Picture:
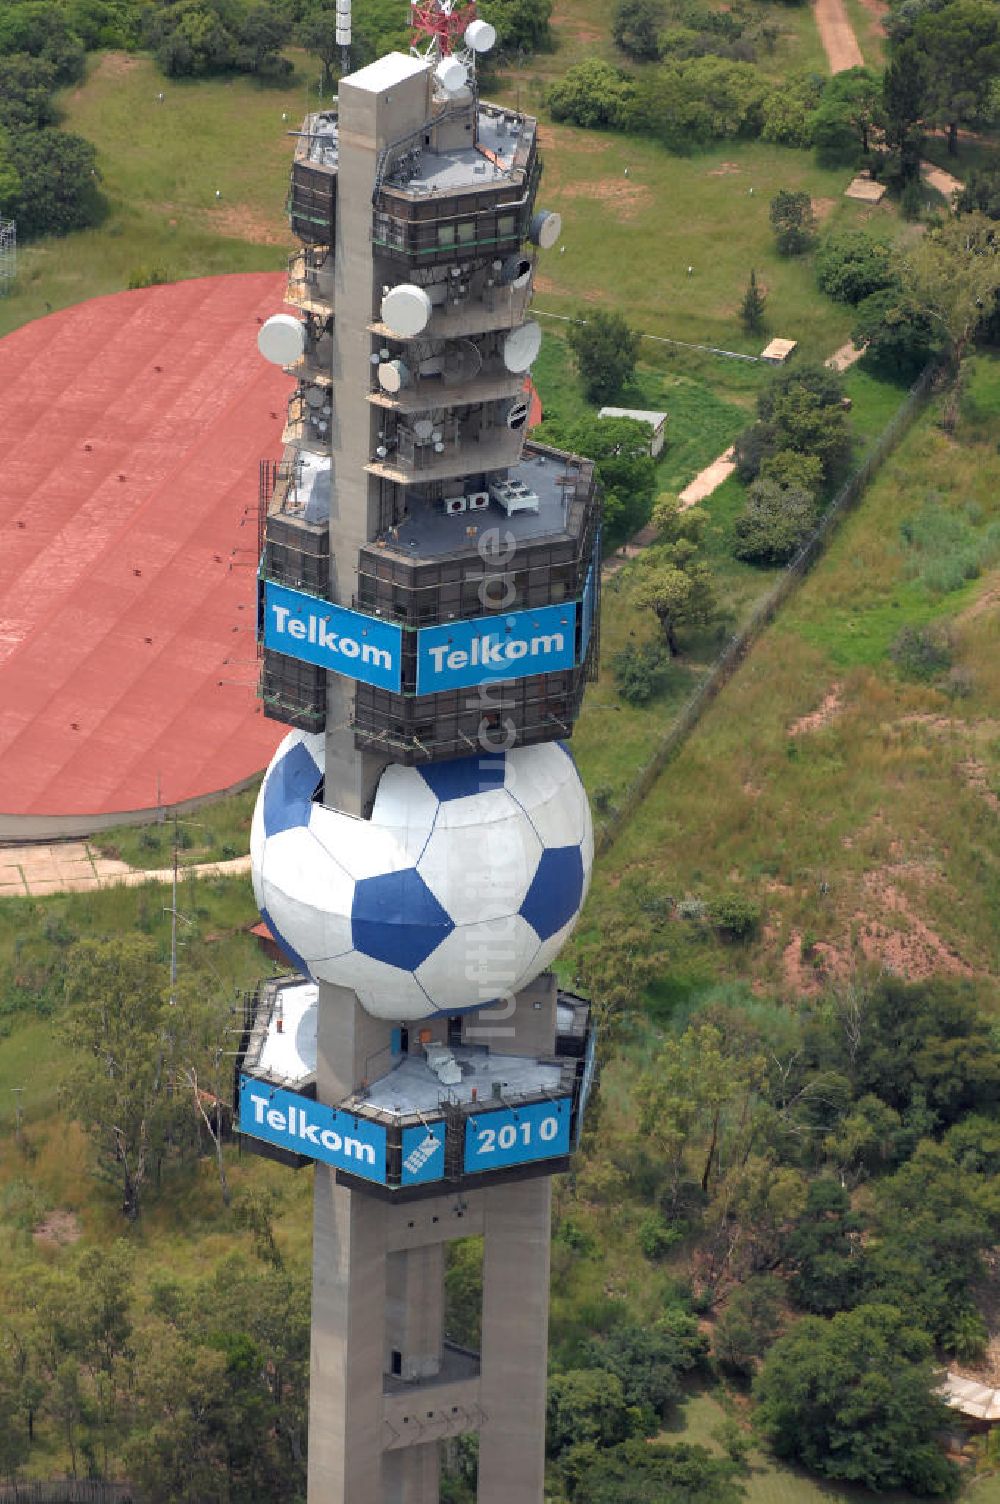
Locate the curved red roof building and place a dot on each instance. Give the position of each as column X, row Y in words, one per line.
column 131, row 428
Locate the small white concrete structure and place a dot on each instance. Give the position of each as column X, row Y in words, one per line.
column 979, row 1401
column 656, row 421
column 778, row 351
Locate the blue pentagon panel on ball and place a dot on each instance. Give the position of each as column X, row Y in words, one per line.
column 292, row 779
column 396, row 918
column 556, row 892
column 465, row 776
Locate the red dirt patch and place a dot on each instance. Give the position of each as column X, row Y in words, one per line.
column 823, row 208
column 976, row 776
column 58, row 1229
column 724, row 170
column 914, row 952
column 627, row 198
column 569, row 140
column 817, row 719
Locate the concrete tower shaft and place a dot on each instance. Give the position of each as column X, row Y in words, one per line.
column 421, row 847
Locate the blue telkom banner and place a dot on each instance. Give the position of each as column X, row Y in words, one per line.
column 293, row 1122
column 345, row 642
column 506, row 645
column 517, row 1135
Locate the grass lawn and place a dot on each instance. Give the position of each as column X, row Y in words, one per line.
column 869, row 828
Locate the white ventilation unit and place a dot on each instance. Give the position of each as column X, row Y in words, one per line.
column 478, row 501
column 454, row 504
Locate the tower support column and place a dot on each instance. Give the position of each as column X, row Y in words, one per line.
column 514, row 1342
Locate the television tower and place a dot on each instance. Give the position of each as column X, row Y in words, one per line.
column 421, row 847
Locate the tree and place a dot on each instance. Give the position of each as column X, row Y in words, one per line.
column 522, row 26
column 897, row 332
column 120, row 1026
column 592, row 93
column 904, row 87
column 752, row 307
column 624, row 466
column 786, row 117
column 848, row 113
column 636, row 27
column 42, row 30
column 678, row 589
column 981, row 192
column 954, row 273
column 801, row 411
column 775, row 522
column 793, row 222
column 697, row 1095
column 57, row 176
column 317, row 33
column 851, row 265
column 26, row 88
column 824, row 1252
column 853, row 1398
column 787, row 468
column 606, row 351
column 586, row 1404
column 649, row 1360
column 653, row 1473
column 748, row 1325
column 961, row 45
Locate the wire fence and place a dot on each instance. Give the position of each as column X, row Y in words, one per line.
column 68, row 1491
column 739, row 645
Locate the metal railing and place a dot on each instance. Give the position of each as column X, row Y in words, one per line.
column 739, row 645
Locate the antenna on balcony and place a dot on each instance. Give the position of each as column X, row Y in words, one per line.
column 449, row 36
column 344, row 34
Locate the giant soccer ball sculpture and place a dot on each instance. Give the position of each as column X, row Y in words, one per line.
column 459, row 890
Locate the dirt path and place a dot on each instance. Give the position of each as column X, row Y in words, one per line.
column 945, row 182
column 74, row 867
column 837, row 35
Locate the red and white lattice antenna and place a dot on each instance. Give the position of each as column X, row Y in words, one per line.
column 439, row 26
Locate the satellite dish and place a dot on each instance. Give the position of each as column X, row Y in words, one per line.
column 423, row 428
column 314, row 396
column 480, row 36
column 521, row 347
column 462, row 361
column 393, row 376
column 281, row 339
column 406, row 310
column 515, row 272
column 451, row 74
column 545, row 229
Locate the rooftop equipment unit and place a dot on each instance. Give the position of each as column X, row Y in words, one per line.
column 454, row 504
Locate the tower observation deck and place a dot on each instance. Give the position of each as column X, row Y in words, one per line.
column 422, row 845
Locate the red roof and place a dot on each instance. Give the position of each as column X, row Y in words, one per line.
column 131, row 428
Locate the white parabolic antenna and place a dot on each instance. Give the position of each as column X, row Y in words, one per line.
column 406, row 310
column 480, row 36
column 393, row 375
column 521, row 347
column 545, row 229
column 423, row 428
column 281, row 339
column 315, row 396
column 451, row 74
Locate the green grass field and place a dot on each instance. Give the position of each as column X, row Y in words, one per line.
column 868, row 831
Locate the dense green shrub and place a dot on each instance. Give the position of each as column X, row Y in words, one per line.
column 853, row 264
column 592, row 93
column 735, row 915
column 793, row 222
column 57, row 183
column 898, row 333
column 854, row 1398
column 775, row 523
column 641, row 671
column 923, row 652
